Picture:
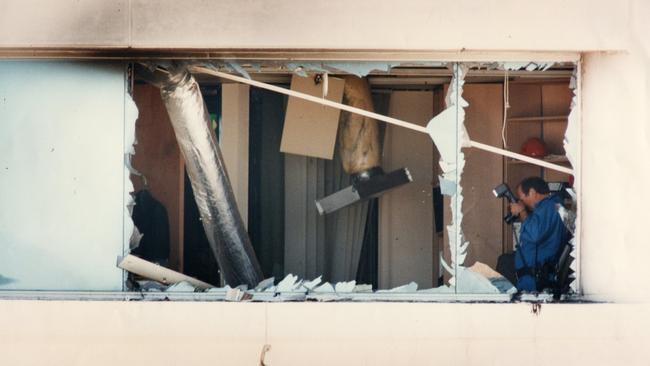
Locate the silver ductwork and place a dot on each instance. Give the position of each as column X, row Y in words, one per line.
column 205, row 167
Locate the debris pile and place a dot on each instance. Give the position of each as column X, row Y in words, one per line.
column 292, row 288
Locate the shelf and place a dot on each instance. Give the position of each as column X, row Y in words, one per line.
column 538, row 119
column 555, row 159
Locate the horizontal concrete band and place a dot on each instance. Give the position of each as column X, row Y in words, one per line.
column 108, row 333
column 558, row 25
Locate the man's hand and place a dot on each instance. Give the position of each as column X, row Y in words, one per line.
column 518, row 209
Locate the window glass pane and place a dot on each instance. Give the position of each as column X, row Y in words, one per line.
column 62, row 184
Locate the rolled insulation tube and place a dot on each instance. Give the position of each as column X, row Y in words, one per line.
column 358, row 136
column 213, row 193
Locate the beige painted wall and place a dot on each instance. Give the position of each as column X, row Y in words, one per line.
column 410, row 25
column 218, row 333
column 616, row 144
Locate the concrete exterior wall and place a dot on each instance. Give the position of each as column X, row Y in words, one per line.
column 418, row 24
column 615, row 149
column 178, row 333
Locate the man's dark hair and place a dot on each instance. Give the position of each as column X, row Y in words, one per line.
column 537, row 183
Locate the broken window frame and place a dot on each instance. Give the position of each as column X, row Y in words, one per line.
column 430, row 297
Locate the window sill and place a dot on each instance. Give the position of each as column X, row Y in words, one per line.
column 281, row 297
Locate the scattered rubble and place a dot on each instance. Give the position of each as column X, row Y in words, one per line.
column 478, row 279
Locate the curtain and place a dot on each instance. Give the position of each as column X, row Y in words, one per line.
column 344, row 229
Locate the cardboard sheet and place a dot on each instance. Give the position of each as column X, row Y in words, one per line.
column 309, row 128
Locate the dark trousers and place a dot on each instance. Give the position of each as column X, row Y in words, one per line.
column 506, row 266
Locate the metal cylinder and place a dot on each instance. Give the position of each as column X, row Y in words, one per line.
column 213, row 193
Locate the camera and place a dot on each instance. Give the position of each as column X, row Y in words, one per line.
column 502, row 190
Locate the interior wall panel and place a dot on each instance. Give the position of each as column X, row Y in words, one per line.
column 406, row 226
column 556, row 101
column 482, row 212
column 234, row 144
column 158, row 157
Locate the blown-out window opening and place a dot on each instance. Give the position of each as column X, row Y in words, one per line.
column 387, row 195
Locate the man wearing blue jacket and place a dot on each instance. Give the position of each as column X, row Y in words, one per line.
column 542, row 232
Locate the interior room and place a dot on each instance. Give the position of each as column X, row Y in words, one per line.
column 284, row 155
